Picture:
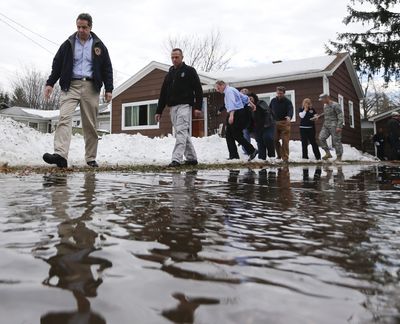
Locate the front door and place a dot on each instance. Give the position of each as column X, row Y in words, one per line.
column 199, row 125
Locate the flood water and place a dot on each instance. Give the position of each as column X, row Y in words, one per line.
column 284, row 245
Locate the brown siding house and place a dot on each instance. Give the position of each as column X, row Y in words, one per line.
column 134, row 101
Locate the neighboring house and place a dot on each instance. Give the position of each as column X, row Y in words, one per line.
column 134, row 102
column 367, row 132
column 380, row 121
column 41, row 120
column 46, row 121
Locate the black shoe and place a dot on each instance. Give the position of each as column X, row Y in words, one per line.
column 253, row 155
column 92, row 164
column 191, row 162
column 174, row 164
column 55, row 159
column 233, row 158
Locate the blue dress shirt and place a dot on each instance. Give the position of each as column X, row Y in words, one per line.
column 234, row 99
column 83, row 64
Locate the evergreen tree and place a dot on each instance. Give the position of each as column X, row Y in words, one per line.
column 19, row 98
column 377, row 49
column 4, row 98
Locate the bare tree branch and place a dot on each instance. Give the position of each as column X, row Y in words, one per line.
column 207, row 53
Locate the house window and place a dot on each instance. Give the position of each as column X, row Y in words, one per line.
column 76, row 123
column 33, row 125
column 290, row 94
column 139, row 115
column 351, row 114
column 341, row 103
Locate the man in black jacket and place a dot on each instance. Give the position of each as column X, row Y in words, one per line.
column 181, row 91
column 83, row 65
column 282, row 109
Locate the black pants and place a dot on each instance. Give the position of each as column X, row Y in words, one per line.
column 265, row 142
column 308, row 137
column 234, row 133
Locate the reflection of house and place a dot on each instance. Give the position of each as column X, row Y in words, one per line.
column 45, row 121
column 134, row 102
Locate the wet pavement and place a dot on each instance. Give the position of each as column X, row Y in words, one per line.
column 279, row 245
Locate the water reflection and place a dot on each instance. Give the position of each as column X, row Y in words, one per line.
column 315, row 244
column 72, row 267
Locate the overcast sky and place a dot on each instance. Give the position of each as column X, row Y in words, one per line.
column 258, row 31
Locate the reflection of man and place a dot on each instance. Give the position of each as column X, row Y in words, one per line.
column 72, row 264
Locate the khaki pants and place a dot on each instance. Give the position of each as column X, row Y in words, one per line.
column 181, row 118
column 84, row 94
column 282, row 133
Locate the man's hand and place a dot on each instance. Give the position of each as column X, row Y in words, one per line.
column 231, row 118
column 197, row 113
column 108, row 96
column 47, row 92
column 158, row 117
column 288, row 119
column 338, row 130
column 253, row 106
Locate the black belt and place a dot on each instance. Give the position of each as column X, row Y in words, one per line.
column 82, row 79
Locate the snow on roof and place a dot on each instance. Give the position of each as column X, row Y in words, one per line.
column 274, row 70
column 46, row 114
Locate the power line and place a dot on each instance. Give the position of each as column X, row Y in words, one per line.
column 39, row 35
column 32, row 40
column 26, row 28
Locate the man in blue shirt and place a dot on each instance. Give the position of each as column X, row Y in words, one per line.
column 82, row 65
column 238, row 119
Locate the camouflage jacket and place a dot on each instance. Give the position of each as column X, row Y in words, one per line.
column 333, row 115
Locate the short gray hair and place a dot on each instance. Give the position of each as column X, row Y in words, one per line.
column 220, row 82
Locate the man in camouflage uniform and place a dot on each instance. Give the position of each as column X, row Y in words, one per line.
column 333, row 125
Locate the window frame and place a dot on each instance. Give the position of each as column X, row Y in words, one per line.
column 293, row 100
column 351, row 114
column 341, row 103
column 30, row 124
column 138, row 103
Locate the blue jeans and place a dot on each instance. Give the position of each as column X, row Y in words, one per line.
column 265, row 142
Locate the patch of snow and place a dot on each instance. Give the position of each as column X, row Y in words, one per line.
column 23, row 146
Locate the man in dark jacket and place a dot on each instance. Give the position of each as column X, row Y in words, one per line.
column 282, row 108
column 181, row 91
column 264, row 127
column 393, row 130
column 83, row 65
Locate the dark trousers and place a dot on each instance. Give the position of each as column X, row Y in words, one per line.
column 234, row 133
column 265, row 142
column 308, row 137
column 380, row 152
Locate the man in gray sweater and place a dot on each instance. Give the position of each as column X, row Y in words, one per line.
column 333, row 125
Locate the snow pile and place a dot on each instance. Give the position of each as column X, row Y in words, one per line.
column 21, row 145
